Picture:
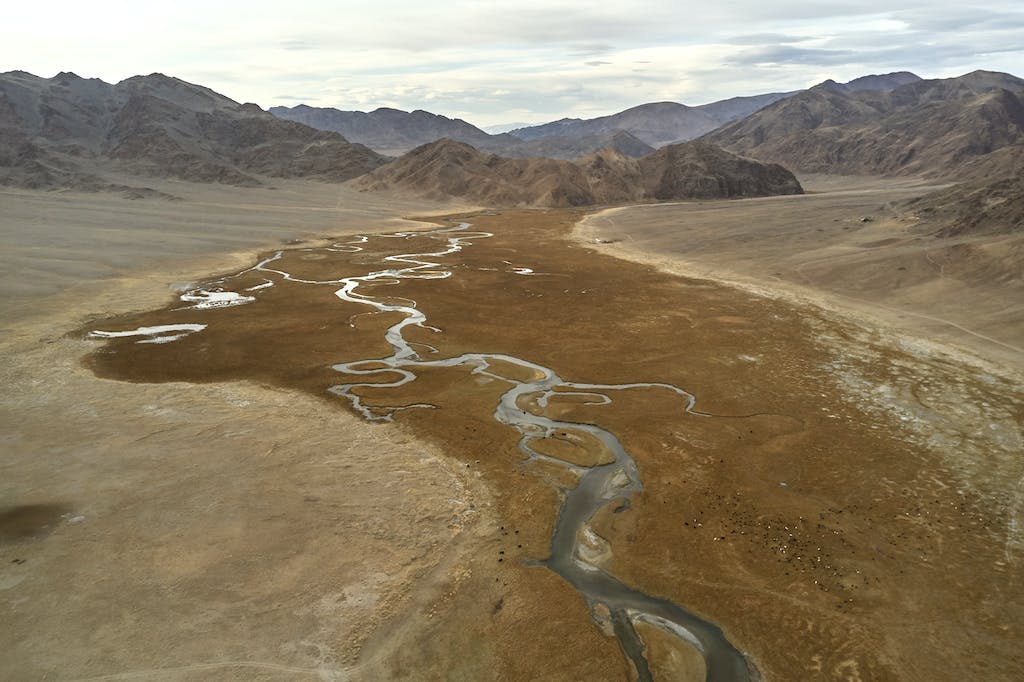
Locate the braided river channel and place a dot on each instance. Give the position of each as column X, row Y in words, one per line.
column 610, row 483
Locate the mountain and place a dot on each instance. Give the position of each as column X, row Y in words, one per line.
column 990, row 201
column 390, row 130
column 657, row 123
column 566, row 147
column 698, row 170
column 727, row 110
column 393, row 131
column 447, row 168
column 928, row 127
column 504, row 127
column 884, row 82
column 69, row 131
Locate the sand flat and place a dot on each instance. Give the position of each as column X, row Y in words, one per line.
column 166, row 531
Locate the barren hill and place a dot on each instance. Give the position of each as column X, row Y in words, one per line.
column 989, row 202
column 929, row 127
column 390, row 130
column 67, row 131
column 448, row 168
column 698, row 170
column 690, row 170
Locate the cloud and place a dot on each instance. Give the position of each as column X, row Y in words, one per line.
column 765, row 39
column 785, row 54
column 589, row 50
column 963, row 18
column 296, row 45
column 496, row 60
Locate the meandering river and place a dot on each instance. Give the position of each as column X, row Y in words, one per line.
column 522, row 406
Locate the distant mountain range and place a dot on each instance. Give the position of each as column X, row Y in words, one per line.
column 394, row 132
column 648, row 126
column 634, row 132
column 71, row 132
column 391, row 131
column 68, row 131
column 693, row 170
column 658, row 123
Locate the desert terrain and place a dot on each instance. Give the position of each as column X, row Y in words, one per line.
column 239, row 520
column 173, row 531
column 279, row 407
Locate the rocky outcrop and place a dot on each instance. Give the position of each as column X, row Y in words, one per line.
column 448, row 169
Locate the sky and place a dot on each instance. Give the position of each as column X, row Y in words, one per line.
column 493, row 62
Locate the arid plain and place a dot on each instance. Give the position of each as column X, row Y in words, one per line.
column 847, row 507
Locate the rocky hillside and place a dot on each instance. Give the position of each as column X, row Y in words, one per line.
column 68, row 131
column 928, row 127
column 568, row 147
column 447, row 168
column 989, row 202
column 698, row 170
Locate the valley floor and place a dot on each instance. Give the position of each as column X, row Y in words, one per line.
column 845, row 245
column 850, row 510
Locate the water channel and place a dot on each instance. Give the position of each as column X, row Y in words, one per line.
column 522, row 407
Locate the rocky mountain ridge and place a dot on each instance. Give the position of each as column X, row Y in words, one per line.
column 925, row 127
column 67, row 131
column 651, row 125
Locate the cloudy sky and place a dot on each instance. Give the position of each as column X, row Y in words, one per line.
column 492, row 61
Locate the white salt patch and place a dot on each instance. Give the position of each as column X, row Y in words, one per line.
column 217, row 298
column 163, row 333
column 164, row 339
column 266, row 283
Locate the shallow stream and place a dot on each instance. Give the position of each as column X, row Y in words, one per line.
column 521, row 406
